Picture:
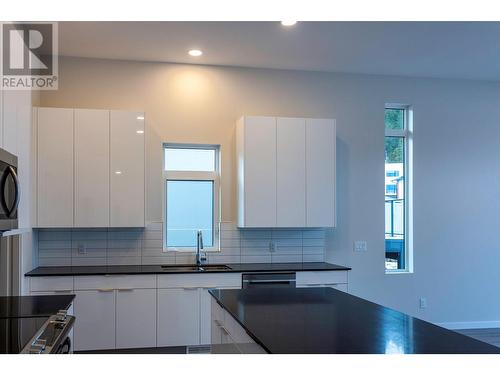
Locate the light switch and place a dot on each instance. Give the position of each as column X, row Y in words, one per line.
column 360, row 246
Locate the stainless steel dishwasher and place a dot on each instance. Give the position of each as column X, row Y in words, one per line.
column 268, row 280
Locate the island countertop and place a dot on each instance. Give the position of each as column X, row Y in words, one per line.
column 325, row 320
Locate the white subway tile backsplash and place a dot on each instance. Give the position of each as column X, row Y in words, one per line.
column 45, row 262
column 158, row 260
column 145, row 246
column 287, row 258
column 313, row 257
column 123, row 261
column 88, row 261
column 256, row 259
column 223, row 259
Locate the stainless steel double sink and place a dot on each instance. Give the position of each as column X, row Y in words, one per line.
column 203, row 268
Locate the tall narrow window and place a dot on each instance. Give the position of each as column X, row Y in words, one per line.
column 398, row 218
column 191, row 196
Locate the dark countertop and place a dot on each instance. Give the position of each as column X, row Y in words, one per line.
column 168, row 269
column 33, row 306
column 325, row 320
column 22, row 316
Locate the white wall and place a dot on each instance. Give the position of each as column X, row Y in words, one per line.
column 457, row 127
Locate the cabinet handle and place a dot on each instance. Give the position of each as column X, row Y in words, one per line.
column 314, row 284
column 189, row 288
column 105, row 290
column 125, row 290
column 209, row 287
column 218, row 323
column 224, row 330
column 63, row 291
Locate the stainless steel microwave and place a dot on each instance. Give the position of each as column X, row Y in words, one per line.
column 9, row 191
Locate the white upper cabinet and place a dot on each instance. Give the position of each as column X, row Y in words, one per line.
column 55, row 167
column 286, row 172
column 10, row 103
column 291, row 173
column 127, row 169
column 91, row 168
column 256, row 153
column 320, row 172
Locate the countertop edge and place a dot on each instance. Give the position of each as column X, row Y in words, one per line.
column 238, row 268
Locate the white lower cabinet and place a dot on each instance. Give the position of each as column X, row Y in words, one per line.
column 329, row 279
column 178, row 317
column 135, row 318
column 95, row 319
column 184, row 312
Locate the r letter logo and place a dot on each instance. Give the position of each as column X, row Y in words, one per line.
column 29, row 56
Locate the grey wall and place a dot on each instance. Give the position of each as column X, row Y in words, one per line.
column 456, row 196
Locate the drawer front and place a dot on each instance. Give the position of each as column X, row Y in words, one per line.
column 200, row 280
column 61, row 284
column 115, row 282
column 322, row 277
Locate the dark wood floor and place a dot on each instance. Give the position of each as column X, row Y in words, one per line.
column 489, row 335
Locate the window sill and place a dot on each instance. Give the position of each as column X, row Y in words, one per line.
column 398, row 272
column 191, row 251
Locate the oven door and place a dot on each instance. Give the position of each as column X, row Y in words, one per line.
column 9, row 191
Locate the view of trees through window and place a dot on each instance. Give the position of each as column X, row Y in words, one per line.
column 395, row 251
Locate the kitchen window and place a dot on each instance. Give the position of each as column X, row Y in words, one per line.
column 191, row 196
column 398, row 192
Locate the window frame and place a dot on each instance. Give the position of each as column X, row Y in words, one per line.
column 213, row 176
column 407, row 134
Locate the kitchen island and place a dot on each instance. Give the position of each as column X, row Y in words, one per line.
column 325, row 320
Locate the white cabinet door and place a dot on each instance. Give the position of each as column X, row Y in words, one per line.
column 91, row 168
column 127, row 169
column 10, row 105
column 259, row 154
column 178, row 317
column 291, row 172
column 205, row 317
column 95, row 320
column 320, row 172
column 136, row 318
column 55, row 167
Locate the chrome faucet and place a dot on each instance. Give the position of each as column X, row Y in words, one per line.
column 199, row 246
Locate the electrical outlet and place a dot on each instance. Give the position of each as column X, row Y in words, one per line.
column 272, row 246
column 423, row 303
column 360, row 246
column 82, row 249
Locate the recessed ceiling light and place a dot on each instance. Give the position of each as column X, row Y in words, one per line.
column 195, row 52
column 288, row 23
column 140, row 117
column 139, row 131
column 118, row 172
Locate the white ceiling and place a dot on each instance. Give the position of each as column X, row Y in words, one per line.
column 420, row 49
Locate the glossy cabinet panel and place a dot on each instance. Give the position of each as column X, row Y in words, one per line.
column 320, row 172
column 55, row 167
column 135, row 318
column 91, row 168
column 127, row 176
column 291, row 173
column 95, row 320
column 257, row 157
column 178, row 317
